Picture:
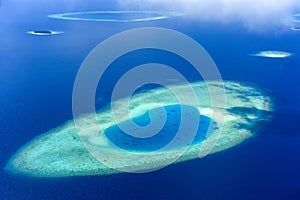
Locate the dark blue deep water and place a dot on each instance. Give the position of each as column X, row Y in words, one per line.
column 36, row 82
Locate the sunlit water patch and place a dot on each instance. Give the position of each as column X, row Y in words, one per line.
column 272, row 54
column 117, row 16
column 62, row 152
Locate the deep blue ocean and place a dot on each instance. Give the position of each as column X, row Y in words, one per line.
column 37, row 74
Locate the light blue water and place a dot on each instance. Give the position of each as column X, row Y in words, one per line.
column 174, row 113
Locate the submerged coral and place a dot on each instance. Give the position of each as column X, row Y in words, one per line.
column 79, row 149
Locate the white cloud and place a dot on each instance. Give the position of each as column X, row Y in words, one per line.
column 253, row 14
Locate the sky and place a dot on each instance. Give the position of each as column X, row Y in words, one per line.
column 255, row 15
column 252, row 14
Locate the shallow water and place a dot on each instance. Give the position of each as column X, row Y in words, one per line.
column 122, row 140
column 36, row 82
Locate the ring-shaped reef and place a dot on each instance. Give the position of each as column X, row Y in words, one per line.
column 272, row 54
column 116, row 16
column 296, row 28
column 41, row 32
column 62, row 152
